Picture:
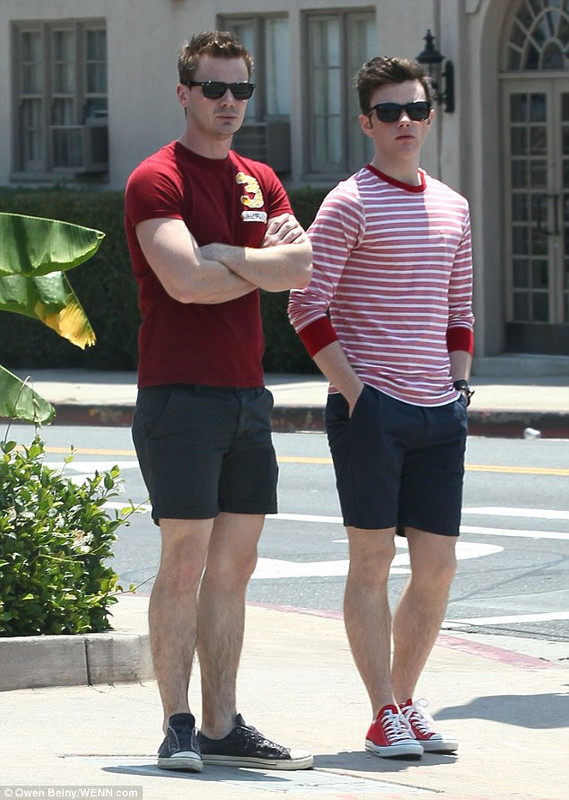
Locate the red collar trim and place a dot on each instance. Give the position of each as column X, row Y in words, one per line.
column 408, row 187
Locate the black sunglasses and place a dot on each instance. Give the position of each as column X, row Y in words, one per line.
column 214, row 90
column 390, row 112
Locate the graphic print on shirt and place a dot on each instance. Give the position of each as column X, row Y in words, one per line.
column 252, row 198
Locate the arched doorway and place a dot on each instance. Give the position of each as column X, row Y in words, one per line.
column 535, row 92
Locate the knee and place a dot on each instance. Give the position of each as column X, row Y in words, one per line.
column 230, row 571
column 370, row 564
column 435, row 576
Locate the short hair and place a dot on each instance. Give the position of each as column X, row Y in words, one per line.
column 383, row 70
column 217, row 44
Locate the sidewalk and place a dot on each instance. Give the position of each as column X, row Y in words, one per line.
column 298, row 684
column 500, row 407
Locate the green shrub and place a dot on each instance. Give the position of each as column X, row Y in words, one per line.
column 108, row 291
column 55, row 536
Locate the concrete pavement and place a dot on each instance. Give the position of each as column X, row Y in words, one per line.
column 90, row 718
column 298, row 685
column 504, row 404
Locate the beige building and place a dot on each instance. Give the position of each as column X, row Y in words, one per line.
column 88, row 90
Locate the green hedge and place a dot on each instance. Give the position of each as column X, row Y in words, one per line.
column 56, row 539
column 107, row 291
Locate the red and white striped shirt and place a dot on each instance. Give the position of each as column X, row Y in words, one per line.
column 393, row 270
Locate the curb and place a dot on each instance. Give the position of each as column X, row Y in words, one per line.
column 31, row 662
column 291, row 419
column 511, row 424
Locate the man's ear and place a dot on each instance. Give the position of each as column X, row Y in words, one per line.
column 366, row 124
column 182, row 92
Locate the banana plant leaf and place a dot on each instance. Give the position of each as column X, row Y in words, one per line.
column 51, row 299
column 19, row 401
column 37, row 246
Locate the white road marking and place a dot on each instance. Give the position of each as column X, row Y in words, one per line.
column 530, row 513
column 550, row 616
column 272, row 568
column 519, row 533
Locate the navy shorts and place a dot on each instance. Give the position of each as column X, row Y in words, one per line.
column 205, row 449
column 398, row 465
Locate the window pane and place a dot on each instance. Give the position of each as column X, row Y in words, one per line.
column 32, row 63
column 520, row 241
column 519, row 174
column 519, row 140
column 63, row 112
column 538, row 172
column 277, row 71
column 334, row 141
column 540, row 303
column 520, row 208
column 64, row 62
column 538, row 108
column 521, row 307
column 540, row 275
column 538, row 140
column 539, row 242
column 519, row 108
column 521, row 274
column 96, row 62
column 33, row 131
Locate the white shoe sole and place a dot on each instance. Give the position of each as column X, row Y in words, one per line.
column 188, row 761
column 439, row 745
column 296, row 762
column 409, row 749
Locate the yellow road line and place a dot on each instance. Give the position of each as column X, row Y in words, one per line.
column 517, row 470
column 327, row 460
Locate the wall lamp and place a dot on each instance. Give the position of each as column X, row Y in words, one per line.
column 432, row 60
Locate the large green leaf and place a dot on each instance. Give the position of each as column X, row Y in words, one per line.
column 51, row 299
column 19, row 401
column 37, row 246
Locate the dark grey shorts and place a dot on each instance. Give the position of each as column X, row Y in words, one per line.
column 398, row 465
column 204, row 449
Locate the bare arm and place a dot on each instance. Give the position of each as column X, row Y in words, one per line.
column 181, row 267
column 460, row 364
column 283, row 262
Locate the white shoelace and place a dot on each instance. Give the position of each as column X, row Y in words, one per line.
column 421, row 719
column 396, row 726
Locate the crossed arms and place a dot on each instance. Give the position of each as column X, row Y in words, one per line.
column 217, row 273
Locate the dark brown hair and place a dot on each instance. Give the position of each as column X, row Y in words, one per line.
column 383, row 70
column 217, row 44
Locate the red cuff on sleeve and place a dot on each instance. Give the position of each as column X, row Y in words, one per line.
column 460, row 338
column 317, row 335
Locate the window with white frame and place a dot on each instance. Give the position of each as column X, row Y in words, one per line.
column 338, row 43
column 265, row 134
column 60, row 98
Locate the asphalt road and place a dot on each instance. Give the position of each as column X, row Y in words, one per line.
column 513, row 550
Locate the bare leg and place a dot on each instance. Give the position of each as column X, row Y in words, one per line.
column 366, row 610
column 173, row 609
column 421, row 608
column 221, row 616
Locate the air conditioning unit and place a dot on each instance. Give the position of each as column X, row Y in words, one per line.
column 80, row 148
column 266, row 141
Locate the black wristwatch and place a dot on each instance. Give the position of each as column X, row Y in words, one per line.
column 462, row 386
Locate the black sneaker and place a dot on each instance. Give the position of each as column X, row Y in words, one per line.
column 244, row 746
column 180, row 749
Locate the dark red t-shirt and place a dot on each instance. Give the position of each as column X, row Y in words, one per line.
column 221, row 200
